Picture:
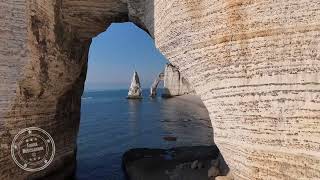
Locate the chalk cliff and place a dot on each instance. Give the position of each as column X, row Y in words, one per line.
column 174, row 83
column 254, row 63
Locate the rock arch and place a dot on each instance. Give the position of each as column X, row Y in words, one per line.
column 174, row 83
column 255, row 65
column 154, row 86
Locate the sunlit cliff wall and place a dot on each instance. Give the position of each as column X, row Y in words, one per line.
column 254, row 63
column 174, row 83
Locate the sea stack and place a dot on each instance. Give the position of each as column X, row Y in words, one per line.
column 135, row 87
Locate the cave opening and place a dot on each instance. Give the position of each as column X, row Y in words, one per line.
column 255, row 66
column 110, row 124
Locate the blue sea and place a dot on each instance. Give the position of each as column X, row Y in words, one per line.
column 111, row 124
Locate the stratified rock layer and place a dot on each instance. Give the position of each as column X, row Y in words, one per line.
column 254, row 63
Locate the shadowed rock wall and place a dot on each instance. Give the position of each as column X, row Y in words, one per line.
column 43, row 64
column 255, row 65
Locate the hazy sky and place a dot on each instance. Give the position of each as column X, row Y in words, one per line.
column 115, row 53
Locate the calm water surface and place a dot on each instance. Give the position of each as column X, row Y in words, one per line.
column 111, row 124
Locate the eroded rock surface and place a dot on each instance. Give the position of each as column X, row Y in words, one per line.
column 154, row 86
column 174, row 83
column 135, row 90
column 255, row 65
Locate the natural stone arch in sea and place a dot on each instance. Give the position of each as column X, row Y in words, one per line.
column 255, row 65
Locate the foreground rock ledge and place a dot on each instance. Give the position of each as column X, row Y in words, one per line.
column 255, row 64
column 182, row 163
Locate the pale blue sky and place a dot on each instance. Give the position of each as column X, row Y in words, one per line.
column 115, row 53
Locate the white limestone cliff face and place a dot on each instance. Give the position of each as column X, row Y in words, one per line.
column 255, row 64
column 174, row 83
